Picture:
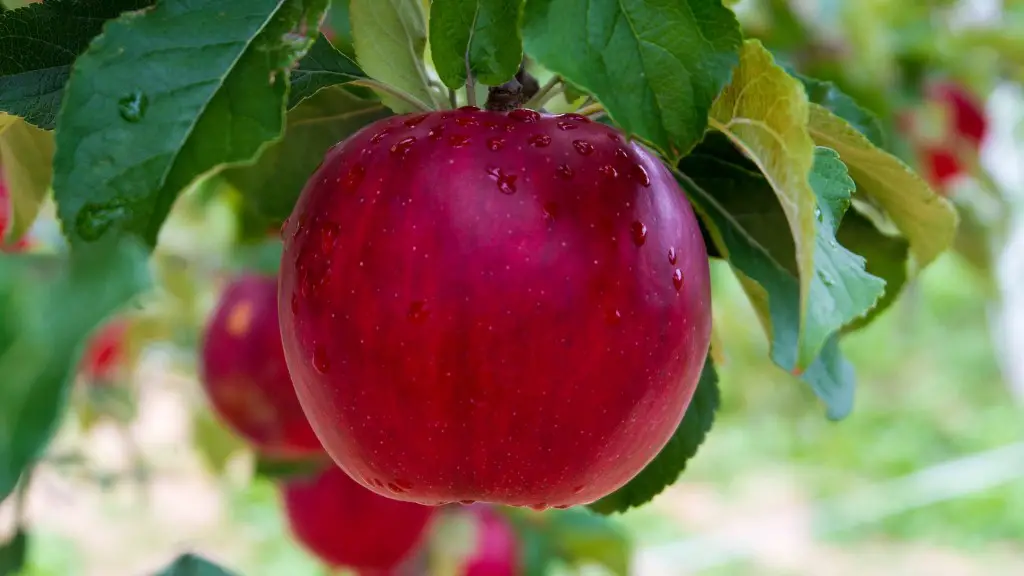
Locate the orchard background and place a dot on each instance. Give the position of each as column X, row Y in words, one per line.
column 854, row 167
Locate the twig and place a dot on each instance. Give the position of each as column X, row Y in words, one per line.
column 452, row 99
column 541, row 96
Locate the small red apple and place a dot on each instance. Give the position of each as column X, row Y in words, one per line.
column 5, row 218
column 966, row 112
column 244, row 373
column 497, row 551
column 104, row 352
column 345, row 524
column 499, row 307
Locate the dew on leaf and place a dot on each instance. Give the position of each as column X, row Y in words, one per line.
column 133, row 106
column 96, row 218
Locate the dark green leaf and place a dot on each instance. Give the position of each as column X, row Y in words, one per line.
column 48, row 306
column 13, row 554
column 887, row 257
column 744, row 219
column 486, row 32
column 573, row 92
column 324, row 65
column 830, row 96
column 278, row 469
column 192, row 565
column 338, row 22
column 272, row 185
column 162, row 98
column 655, row 66
column 39, row 43
column 671, row 461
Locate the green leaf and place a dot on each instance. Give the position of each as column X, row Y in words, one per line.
column 666, row 467
column 39, row 43
column 763, row 111
column 215, row 443
column 26, row 155
column 484, row 32
column 655, row 66
column 192, row 565
column 390, row 37
column 743, row 218
column 281, row 469
column 13, row 554
column 926, row 219
column 272, row 185
column 324, row 65
column 574, row 535
column 163, row 98
column 338, row 21
column 886, row 258
column 49, row 306
column 839, row 103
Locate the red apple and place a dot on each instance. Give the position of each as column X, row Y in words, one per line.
column 345, row 524
column 497, row 551
column 104, row 353
column 966, row 112
column 499, row 307
column 244, row 372
column 5, row 219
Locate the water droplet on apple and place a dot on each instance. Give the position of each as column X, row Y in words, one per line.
column 495, row 144
column 577, row 489
column 564, row 126
column 564, row 172
column 550, row 210
column 540, row 506
column 523, row 115
column 402, row 147
column 677, row 279
column 620, row 153
column 638, row 231
column 376, row 139
column 506, row 182
column 672, row 256
column 583, row 147
column 467, row 502
column 395, row 488
column 418, row 311
column 355, row 176
column 436, row 132
column 415, row 121
column 468, row 109
column 576, row 117
column 458, row 140
column 539, row 140
column 467, row 121
column 320, row 360
column 639, row 173
column 608, row 171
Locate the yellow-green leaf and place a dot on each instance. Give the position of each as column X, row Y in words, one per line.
column 26, row 159
column 927, row 220
column 764, row 112
column 390, row 37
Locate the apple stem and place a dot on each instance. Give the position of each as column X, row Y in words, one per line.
column 514, row 93
column 453, row 99
column 391, row 90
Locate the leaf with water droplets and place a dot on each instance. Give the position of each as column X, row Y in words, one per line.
column 272, row 184
column 476, row 32
column 666, row 467
column 26, row 155
column 926, row 219
column 48, row 306
column 655, row 66
column 148, row 110
column 39, row 43
column 390, row 37
column 743, row 217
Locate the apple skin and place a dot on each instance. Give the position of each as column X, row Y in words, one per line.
column 496, row 307
column 497, row 552
column 344, row 524
column 244, row 373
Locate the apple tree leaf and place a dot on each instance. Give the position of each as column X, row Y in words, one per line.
column 162, row 98
column 192, row 565
column 323, row 66
column 26, row 155
column 272, row 185
column 13, row 554
column 482, row 32
column 666, row 467
column 656, row 66
column 48, row 307
column 39, row 43
column 390, row 37
column 927, row 220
